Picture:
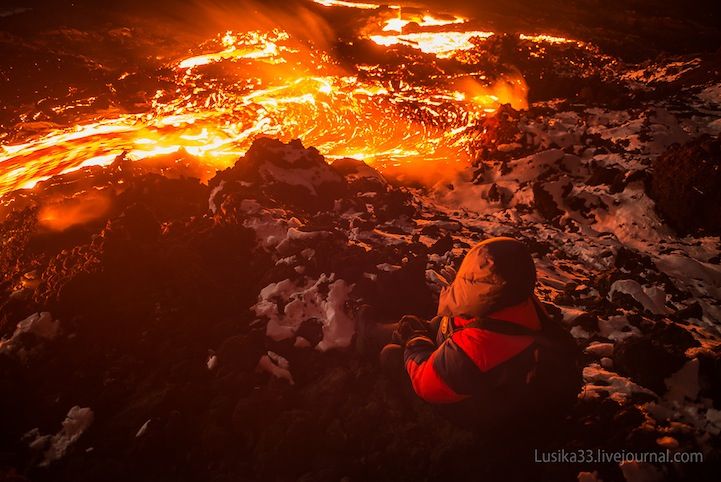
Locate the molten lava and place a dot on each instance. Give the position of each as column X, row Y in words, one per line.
column 275, row 85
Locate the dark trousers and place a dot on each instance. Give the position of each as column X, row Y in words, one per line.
column 391, row 353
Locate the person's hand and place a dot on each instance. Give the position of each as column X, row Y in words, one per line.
column 436, row 278
column 449, row 274
column 441, row 280
column 410, row 327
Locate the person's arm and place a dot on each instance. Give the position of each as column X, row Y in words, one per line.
column 428, row 369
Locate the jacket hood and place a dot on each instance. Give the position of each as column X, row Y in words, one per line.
column 495, row 274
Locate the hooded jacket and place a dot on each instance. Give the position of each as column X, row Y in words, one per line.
column 495, row 280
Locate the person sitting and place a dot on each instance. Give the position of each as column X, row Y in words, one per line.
column 492, row 347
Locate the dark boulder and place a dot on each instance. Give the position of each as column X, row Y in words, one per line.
column 651, row 358
column 288, row 173
column 400, row 292
column 442, row 246
column 603, row 175
column 686, row 185
column 360, row 176
column 544, row 202
column 710, row 376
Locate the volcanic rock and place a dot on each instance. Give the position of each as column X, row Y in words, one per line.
column 400, row 291
column 544, row 202
column 360, row 176
column 652, row 357
column 710, row 377
column 288, row 173
column 686, row 185
column 442, row 246
column 603, row 175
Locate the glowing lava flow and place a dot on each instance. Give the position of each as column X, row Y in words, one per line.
column 274, row 85
column 442, row 44
column 294, row 93
column 256, row 48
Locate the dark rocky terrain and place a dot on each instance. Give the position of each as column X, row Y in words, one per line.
column 157, row 335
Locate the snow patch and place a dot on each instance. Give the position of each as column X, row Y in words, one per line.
column 651, row 298
column 41, row 325
column 631, row 218
column 323, row 300
column 600, row 349
column 211, row 199
column 270, row 226
column 616, row 328
column 55, row 447
column 619, row 388
column 275, row 365
column 143, row 428
column 295, row 234
column 288, row 170
column 711, row 95
column 212, row 362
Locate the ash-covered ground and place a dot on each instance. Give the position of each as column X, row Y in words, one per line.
column 155, row 327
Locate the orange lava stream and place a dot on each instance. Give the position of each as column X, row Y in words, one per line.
column 280, row 89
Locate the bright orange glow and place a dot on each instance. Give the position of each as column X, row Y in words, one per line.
column 505, row 90
column 80, row 209
column 442, row 44
column 257, row 47
column 341, row 3
column 337, row 113
column 396, row 24
column 280, row 87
